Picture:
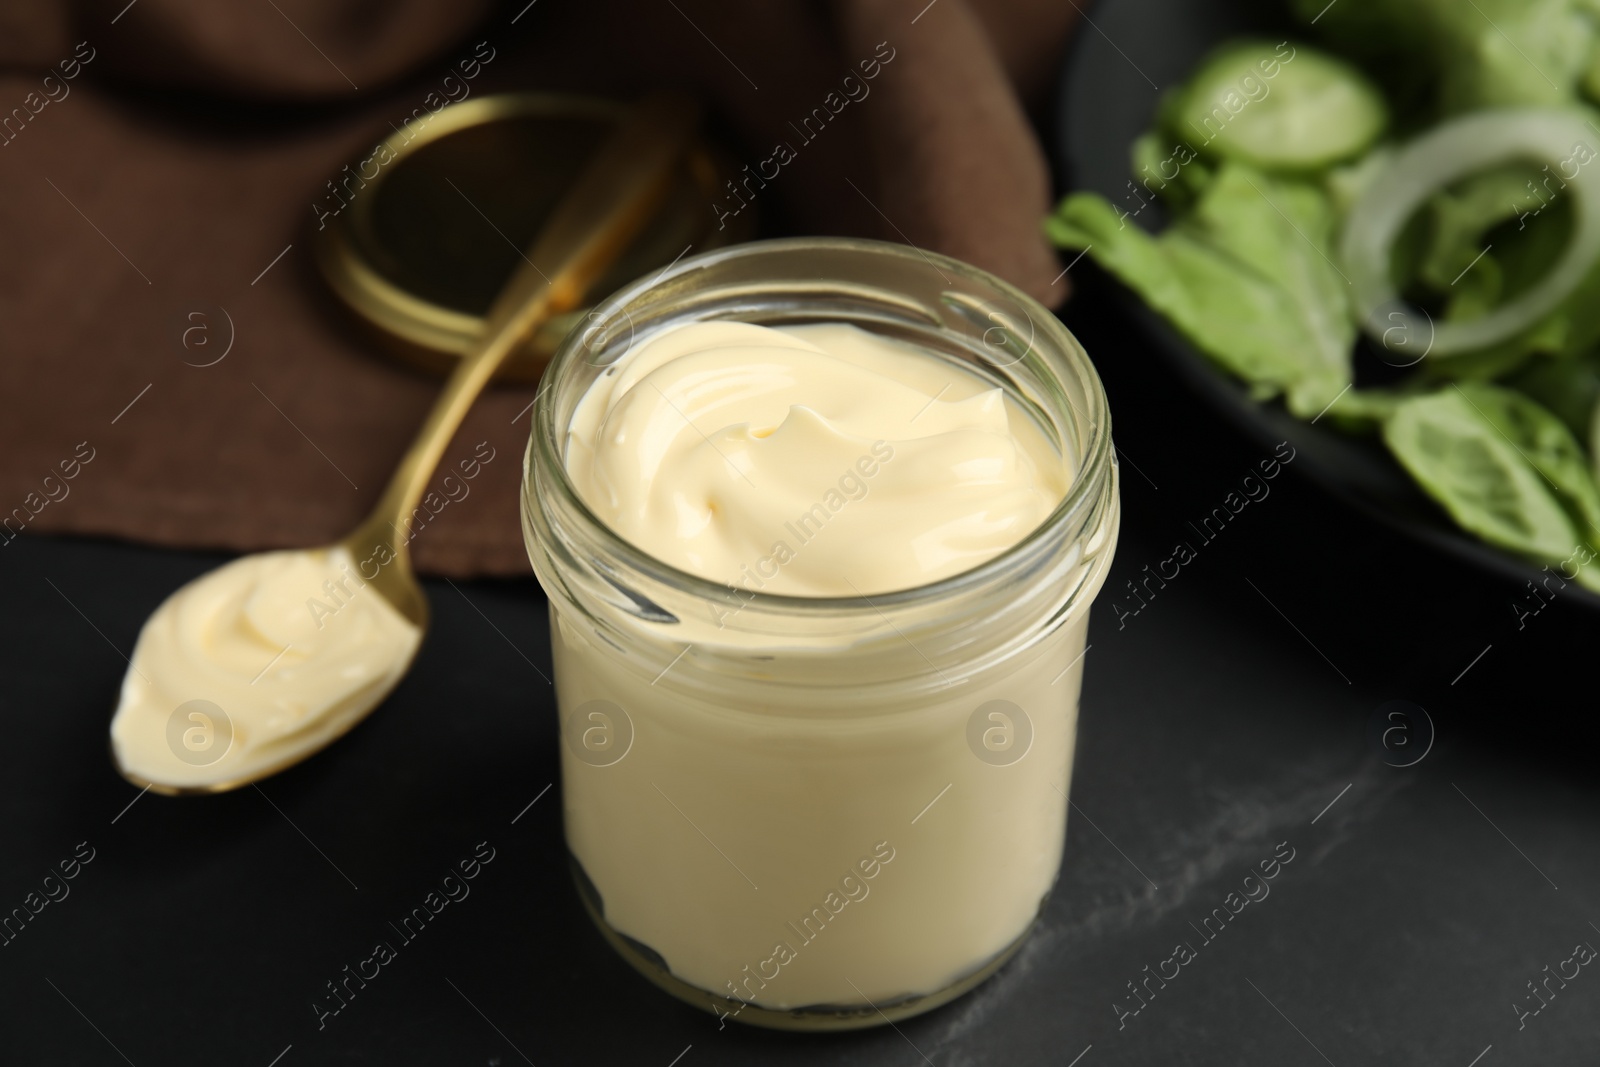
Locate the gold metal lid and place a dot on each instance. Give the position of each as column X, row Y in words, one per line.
column 417, row 237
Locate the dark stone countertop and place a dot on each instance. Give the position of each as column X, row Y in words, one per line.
column 1232, row 714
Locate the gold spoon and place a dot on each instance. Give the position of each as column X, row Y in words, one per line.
column 611, row 202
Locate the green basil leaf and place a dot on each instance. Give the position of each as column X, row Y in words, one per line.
column 1502, row 466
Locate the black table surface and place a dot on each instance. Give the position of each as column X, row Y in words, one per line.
column 1241, row 713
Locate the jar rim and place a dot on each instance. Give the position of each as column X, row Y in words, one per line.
column 546, row 440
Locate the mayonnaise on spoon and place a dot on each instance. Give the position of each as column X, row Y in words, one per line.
column 289, row 649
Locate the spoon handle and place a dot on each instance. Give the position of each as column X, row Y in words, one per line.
column 612, row 200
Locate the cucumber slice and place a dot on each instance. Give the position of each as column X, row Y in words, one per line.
column 1281, row 106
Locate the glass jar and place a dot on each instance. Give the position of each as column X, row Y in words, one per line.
column 823, row 813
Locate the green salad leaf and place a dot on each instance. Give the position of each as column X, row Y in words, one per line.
column 1487, row 241
column 1467, row 54
column 1571, row 330
column 1546, row 442
column 1460, row 220
column 1501, row 465
column 1169, row 168
column 1247, row 274
column 1569, row 388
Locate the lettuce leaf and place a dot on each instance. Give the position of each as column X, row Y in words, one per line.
column 1247, row 275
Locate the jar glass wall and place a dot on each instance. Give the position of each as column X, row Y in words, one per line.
column 823, row 812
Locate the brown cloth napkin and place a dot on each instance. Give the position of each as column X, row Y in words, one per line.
column 171, row 370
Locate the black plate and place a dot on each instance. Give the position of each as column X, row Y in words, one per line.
column 1124, row 56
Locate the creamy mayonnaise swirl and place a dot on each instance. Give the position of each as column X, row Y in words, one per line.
column 815, row 460
column 254, row 664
